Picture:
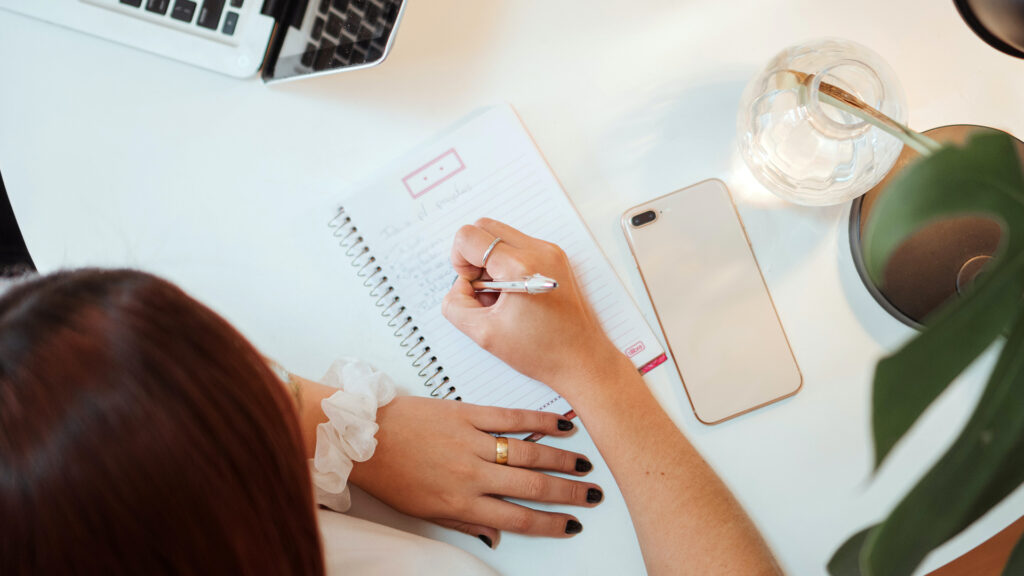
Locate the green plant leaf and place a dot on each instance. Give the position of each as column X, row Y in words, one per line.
column 846, row 560
column 910, row 379
column 1015, row 565
column 980, row 469
column 983, row 177
column 1006, row 479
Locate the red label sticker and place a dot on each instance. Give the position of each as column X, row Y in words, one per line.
column 653, row 364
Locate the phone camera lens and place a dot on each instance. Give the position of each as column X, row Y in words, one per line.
column 643, row 218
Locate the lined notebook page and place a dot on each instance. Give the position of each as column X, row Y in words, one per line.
column 408, row 216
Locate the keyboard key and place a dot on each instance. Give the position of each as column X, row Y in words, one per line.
column 324, row 56
column 236, row 3
column 366, row 33
column 360, row 4
column 309, row 55
column 344, row 52
column 318, row 29
column 230, row 21
column 324, row 5
column 374, row 53
column 209, row 14
column 371, row 13
column 133, row 3
column 340, row 5
column 352, row 25
column 333, row 25
column 158, row 6
column 183, row 10
column 357, row 57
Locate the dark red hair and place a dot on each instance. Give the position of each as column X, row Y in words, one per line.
column 141, row 434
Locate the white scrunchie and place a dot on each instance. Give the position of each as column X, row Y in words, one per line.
column 348, row 435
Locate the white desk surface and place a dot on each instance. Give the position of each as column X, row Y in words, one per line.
column 114, row 157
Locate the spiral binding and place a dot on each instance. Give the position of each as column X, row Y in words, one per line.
column 403, row 324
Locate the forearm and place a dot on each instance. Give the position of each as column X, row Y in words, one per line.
column 686, row 520
column 307, row 396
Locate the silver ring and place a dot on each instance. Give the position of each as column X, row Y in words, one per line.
column 487, row 253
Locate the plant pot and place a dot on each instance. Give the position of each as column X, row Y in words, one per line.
column 937, row 262
column 1000, row 23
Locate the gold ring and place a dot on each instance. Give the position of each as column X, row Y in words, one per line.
column 502, row 451
column 487, row 253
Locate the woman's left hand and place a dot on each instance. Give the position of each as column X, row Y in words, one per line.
column 436, row 460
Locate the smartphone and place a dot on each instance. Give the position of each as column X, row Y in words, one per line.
column 711, row 301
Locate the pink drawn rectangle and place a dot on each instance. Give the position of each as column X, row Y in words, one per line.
column 433, row 173
column 635, row 349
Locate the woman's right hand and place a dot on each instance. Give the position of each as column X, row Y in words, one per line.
column 553, row 337
column 683, row 514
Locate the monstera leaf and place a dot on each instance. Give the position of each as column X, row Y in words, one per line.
column 983, row 465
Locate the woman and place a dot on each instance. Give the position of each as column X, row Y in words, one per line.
column 141, row 433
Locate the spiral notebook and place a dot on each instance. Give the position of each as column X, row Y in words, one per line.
column 396, row 231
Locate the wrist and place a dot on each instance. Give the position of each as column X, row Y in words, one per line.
column 606, row 373
column 309, row 396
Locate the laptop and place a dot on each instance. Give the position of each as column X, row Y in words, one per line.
column 280, row 39
column 14, row 258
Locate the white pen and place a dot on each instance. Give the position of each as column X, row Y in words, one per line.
column 535, row 284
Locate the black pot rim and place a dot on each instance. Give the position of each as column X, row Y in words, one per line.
column 964, row 8
column 858, row 259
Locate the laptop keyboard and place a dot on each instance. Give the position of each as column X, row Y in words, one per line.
column 334, row 33
column 216, row 19
column 349, row 32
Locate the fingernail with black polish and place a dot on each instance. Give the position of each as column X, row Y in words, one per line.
column 594, row 495
column 583, row 465
column 573, row 527
column 564, row 425
column 486, row 540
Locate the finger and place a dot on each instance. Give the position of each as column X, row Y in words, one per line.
column 506, row 232
column 535, row 456
column 515, row 518
column 487, row 298
column 540, row 457
column 523, row 247
column 489, row 536
column 462, row 309
column 506, row 420
column 471, row 243
column 468, row 251
column 534, row 486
